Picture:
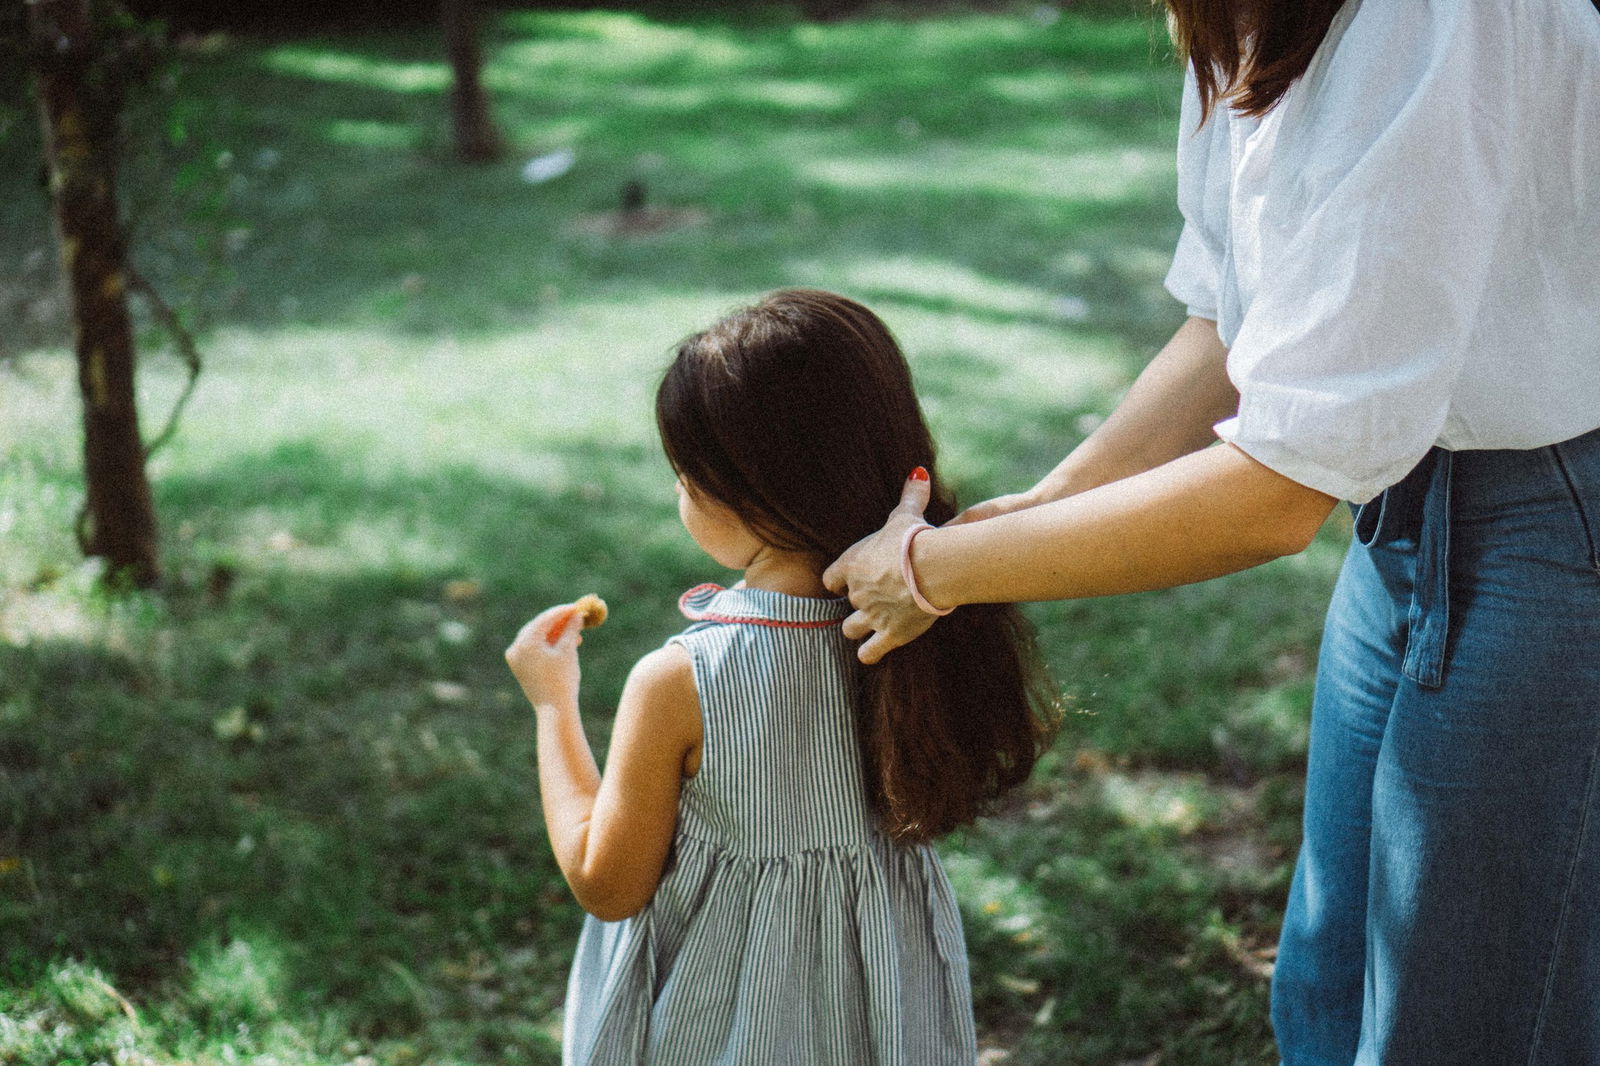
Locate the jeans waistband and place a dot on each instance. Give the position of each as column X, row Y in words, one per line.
column 1417, row 511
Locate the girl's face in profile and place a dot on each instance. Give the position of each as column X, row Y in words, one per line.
column 720, row 533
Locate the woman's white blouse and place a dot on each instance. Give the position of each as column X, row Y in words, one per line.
column 1406, row 251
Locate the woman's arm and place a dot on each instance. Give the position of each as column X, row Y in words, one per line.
column 1142, row 503
column 1203, row 515
column 610, row 834
column 1168, row 412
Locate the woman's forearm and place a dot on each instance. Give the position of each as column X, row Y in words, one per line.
column 1149, row 501
column 1204, row 514
column 1168, row 412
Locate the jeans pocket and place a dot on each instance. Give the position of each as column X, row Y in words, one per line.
column 1585, row 500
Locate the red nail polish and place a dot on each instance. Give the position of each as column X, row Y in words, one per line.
column 919, row 474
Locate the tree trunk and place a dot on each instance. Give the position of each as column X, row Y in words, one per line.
column 477, row 139
column 79, row 112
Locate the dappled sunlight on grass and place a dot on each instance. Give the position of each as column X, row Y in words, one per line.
column 584, row 375
column 361, row 134
column 240, row 981
column 1056, row 923
column 1067, row 90
column 64, row 609
column 941, row 281
column 72, row 999
column 780, row 94
column 1056, row 377
column 335, row 64
column 609, row 43
column 1149, row 801
column 811, row 95
column 358, row 544
column 996, row 896
column 1084, row 176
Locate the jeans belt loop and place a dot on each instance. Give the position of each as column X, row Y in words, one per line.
column 1429, row 615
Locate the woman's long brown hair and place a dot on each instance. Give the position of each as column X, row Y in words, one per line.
column 1248, row 52
column 798, row 415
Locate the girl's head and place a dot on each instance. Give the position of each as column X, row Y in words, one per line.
column 797, row 417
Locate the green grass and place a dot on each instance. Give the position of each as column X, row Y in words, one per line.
column 283, row 809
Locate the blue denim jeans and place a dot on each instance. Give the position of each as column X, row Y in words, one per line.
column 1445, row 909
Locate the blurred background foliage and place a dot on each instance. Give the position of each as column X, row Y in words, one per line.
column 282, row 809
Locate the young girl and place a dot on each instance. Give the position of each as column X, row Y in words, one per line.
column 756, row 857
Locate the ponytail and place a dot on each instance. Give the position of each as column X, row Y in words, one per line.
column 952, row 721
column 955, row 719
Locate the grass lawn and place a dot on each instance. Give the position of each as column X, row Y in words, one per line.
column 284, row 810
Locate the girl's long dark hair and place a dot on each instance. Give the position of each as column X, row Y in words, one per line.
column 798, row 415
column 1249, row 52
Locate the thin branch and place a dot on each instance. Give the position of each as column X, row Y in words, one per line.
column 186, row 348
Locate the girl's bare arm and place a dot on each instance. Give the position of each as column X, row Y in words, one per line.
column 610, row 833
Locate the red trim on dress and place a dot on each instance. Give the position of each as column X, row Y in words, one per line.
column 706, row 616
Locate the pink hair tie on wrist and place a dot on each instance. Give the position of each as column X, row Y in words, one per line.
column 911, row 577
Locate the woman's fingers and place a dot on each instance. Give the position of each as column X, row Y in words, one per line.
column 869, row 573
column 897, row 634
column 876, row 647
column 915, row 493
column 856, row 626
column 914, row 496
column 881, row 642
column 836, row 577
column 980, row 512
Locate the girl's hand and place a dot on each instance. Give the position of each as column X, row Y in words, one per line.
column 869, row 573
column 544, row 657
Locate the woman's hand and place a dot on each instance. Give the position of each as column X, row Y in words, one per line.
column 544, row 657
column 1016, row 501
column 869, row 573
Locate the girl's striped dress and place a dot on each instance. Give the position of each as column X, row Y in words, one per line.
column 787, row 929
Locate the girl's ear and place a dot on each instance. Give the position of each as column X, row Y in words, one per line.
column 718, row 529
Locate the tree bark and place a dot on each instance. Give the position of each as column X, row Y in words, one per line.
column 477, row 138
column 79, row 111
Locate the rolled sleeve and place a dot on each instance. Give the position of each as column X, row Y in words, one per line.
column 1369, row 289
column 1193, row 277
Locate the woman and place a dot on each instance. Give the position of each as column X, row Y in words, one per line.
column 1391, row 261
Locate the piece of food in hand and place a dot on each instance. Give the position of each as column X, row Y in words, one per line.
column 591, row 611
